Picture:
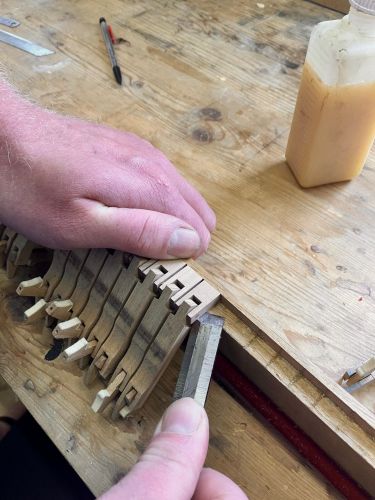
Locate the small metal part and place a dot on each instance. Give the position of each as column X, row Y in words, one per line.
column 197, row 365
column 23, row 44
column 354, row 375
column 349, row 373
column 11, row 23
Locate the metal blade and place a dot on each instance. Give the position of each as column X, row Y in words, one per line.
column 23, row 44
column 11, row 23
column 197, row 365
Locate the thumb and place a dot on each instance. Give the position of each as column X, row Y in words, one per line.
column 170, row 467
column 146, row 233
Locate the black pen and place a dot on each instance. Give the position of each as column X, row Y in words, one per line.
column 111, row 50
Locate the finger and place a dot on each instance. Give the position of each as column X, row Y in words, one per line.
column 196, row 200
column 198, row 203
column 170, row 467
column 213, row 485
column 190, row 194
column 142, row 232
column 149, row 193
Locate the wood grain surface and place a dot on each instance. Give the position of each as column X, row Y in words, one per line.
column 214, row 85
column 101, row 451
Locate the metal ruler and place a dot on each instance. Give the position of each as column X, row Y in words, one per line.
column 23, row 44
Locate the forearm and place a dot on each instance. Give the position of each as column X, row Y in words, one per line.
column 16, row 113
column 67, row 183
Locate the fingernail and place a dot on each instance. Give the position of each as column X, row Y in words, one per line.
column 182, row 417
column 183, row 243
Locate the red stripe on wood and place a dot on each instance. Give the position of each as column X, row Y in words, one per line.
column 226, row 373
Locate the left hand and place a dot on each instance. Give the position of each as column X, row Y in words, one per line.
column 68, row 183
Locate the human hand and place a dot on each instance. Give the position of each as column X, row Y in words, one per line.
column 67, row 183
column 171, row 467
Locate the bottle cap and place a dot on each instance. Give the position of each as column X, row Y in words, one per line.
column 367, row 6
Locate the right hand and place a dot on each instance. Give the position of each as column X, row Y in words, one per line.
column 171, row 467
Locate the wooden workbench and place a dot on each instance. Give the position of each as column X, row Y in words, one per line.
column 101, row 451
column 213, row 85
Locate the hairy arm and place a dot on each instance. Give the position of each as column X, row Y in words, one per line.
column 69, row 183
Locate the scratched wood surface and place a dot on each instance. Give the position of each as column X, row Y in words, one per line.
column 101, row 451
column 213, row 85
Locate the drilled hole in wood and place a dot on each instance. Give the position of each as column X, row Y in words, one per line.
column 196, row 300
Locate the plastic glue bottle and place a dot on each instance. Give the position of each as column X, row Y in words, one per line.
column 333, row 125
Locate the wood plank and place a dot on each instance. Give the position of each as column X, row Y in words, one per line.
column 309, row 405
column 215, row 85
column 101, row 450
column 275, row 245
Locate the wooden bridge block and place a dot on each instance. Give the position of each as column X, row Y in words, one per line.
column 37, row 311
column 176, row 286
column 55, row 273
column 99, row 293
column 59, row 309
column 151, row 322
column 44, row 287
column 19, row 254
column 135, row 389
column 155, row 361
column 7, row 239
column 186, row 279
column 203, row 295
column 105, row 396
column 127, row 321
column 78, row 350
column 85, row 281
column 131, row 315
column 70, row 329
column 36, row 287
column 73, row 266
column 169, row 269
column 120, row 292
